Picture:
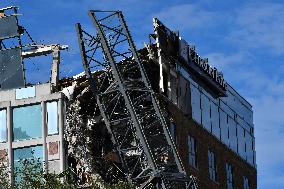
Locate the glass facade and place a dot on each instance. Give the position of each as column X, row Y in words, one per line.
column 233, row 139
column 229, row 118
column 212, row 166
column 52, row 118
column 195, row 104
column 224, row 127
column 3, row 126
column 27, row 153
column 192, row 151
column 205, row 112
column 25, row 92
column 27, row 122
column 229, row 174
column 35, row 152
column 215, row 120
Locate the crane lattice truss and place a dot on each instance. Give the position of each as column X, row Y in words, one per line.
column 128, row 105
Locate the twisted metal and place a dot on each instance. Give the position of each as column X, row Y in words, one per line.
column 128, row 105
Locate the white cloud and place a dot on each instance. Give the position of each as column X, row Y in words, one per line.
column 269, row 131
column 265, row 93
column 222, row 61
column 260, row 25
column 188, row 16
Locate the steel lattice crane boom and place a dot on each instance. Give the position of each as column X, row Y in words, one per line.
column 128, row 105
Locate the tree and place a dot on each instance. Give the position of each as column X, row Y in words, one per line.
column 29, row 174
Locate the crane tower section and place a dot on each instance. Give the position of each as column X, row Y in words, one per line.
column 129, row 106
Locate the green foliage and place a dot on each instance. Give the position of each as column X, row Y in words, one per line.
column 121, row 185
column 30, row 175
column 4, row 179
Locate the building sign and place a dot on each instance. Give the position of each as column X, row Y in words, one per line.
column 212, row 72
column 174, row 46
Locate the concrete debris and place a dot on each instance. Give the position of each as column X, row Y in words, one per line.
column 68, row 91
column 89, row 148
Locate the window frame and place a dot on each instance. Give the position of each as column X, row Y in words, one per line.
column 229, row 176
column 13, row 123
column 192, row 155
column 212, row 166
column 6, row 128
column 57, row 114
column 40, row 159
column 246, row 182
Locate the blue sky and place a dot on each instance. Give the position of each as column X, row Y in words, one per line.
column 244, row 39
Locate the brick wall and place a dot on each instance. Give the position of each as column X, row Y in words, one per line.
column 205, row 141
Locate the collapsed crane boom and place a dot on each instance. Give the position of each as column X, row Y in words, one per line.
column 128, row 105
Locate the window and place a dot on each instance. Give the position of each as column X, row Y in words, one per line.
column 212, row 166
column 27, row 153
column 215, row 120
column 52, row 118
column 229, row 171
column 195, row 104
column 192, row 151
column 233, row 139
column 27, row 122
column 241, row 141
column 3, row 126
column 205, row 109
column 246, row 183
column 224, row 126
column 25, row 92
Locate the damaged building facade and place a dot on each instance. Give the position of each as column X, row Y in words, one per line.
column 60, row 122
column 31, row 116
column 212, row 124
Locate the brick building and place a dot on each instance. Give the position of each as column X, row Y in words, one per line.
column 211, row 123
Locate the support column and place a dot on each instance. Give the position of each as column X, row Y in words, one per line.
column 10, row 140
column 55, row 66
column 161, row 82
column 161, row 78
column 61, row 133
column 44, row 135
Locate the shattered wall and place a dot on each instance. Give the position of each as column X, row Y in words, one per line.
column 90, row 153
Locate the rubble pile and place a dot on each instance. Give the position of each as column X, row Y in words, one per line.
column 90, row 153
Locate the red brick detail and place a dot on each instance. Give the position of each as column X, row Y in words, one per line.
column 3, row 155
column 53, row 148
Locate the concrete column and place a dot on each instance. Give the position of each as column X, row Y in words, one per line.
column 61, row 133
column 55, row 66
column 44, row 135
column 161, row 81
column 10, row 140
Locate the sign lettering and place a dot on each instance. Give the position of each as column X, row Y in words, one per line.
column 212, row 72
